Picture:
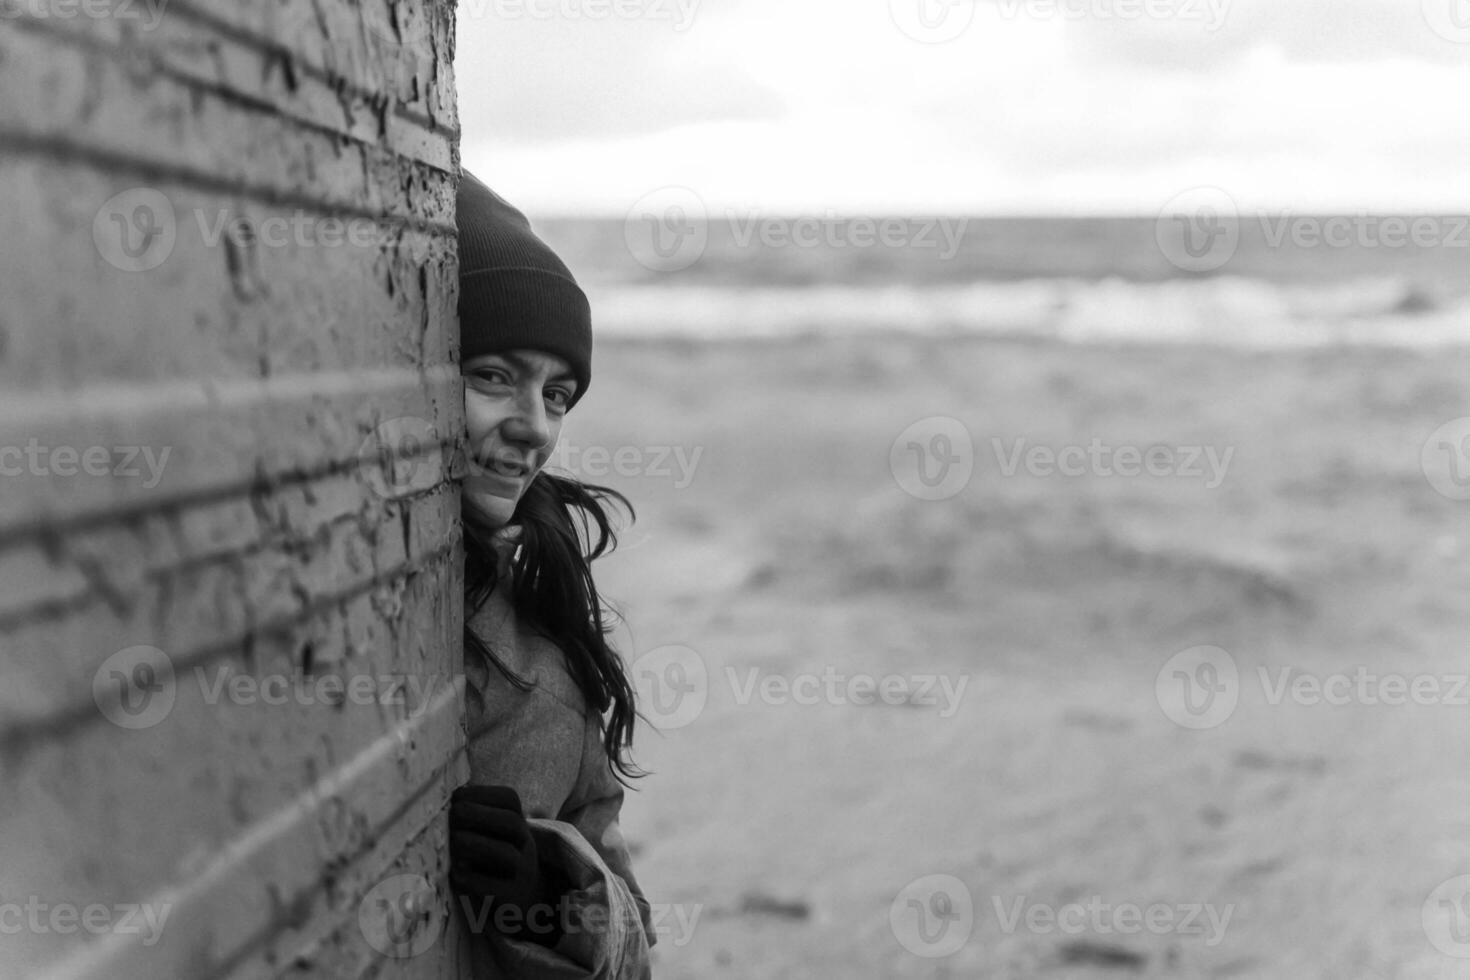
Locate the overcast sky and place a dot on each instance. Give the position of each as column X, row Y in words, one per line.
column 981, row 106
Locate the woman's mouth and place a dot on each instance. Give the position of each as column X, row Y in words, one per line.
column 515, row 471
column 501, row 479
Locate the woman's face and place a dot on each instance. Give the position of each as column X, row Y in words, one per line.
column 514, row 404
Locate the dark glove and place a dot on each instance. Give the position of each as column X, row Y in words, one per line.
column 494, row 862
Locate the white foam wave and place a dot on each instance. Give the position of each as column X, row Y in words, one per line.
column 1228, row 311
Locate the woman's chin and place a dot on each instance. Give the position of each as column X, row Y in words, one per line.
column 488, row 515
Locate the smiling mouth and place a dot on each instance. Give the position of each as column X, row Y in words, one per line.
column 504, row 468
column 499, row 480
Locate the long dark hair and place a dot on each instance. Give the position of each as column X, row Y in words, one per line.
column 552, row 592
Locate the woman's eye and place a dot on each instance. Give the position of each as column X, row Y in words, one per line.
column 493, row 376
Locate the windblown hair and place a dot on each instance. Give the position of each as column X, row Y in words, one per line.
column 553, row 593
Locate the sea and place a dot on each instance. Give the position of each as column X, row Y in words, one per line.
column 1267, row 281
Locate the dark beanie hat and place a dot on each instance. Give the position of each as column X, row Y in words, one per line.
column 513, row 290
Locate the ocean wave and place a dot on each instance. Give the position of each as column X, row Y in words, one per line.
column 1226, row 311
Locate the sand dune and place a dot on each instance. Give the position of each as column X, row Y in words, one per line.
column 1057, row 777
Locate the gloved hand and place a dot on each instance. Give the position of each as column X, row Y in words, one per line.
column 493, row 860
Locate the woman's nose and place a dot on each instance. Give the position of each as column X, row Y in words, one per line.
column 528, row 423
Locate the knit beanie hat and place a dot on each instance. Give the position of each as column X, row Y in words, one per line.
column 513, row 290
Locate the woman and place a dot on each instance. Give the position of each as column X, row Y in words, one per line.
column 536, row 854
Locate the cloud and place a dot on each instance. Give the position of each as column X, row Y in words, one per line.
column 1301, row 31
column 535, row 81
column 799, row 106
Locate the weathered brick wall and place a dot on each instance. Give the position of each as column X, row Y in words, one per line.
column 229, row 542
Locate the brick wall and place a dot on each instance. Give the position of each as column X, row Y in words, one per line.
column 229, row 424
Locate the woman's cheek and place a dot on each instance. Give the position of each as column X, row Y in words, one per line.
column 481, row 416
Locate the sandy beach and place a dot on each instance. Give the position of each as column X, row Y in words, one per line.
column 1306, row 837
